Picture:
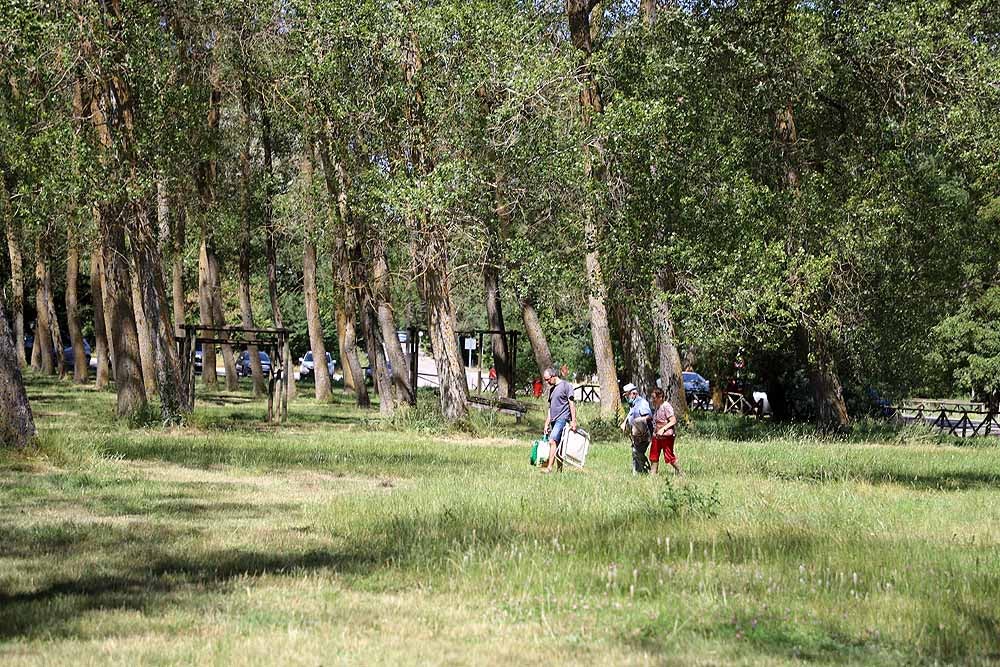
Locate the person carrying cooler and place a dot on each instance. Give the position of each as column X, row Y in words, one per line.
column 664, row 423
column 562, row 410
column 638, row 423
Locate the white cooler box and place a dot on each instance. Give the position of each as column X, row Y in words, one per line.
column 574, row 446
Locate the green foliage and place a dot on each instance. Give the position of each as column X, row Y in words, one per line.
column 688, row 500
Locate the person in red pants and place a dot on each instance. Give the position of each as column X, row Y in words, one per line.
column 664, row 425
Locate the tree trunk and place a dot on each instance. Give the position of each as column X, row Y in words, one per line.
column 125, row 342
column 591, row 102
column 376, row 354
column 54, row 330
column 321, row 374
column 671, row 372
column 828, row 398
column 345, row 368
column 637, row 341
column 43, row 329
column 246, row 303
column 211, row 301
column 179, row 222
column 80, row 366
column 17, row 424
column 831, row 410
column 536, row 335
column 147, row 359
column 100, row 331
column 496, row 236
column 387, row 323
column 219, row 319
column 271, row 250
column 174, row 400
column 435, row 289
column 351, row 361
column 336, row 187
column 647, row 8
column 16, row 275
column 36, row 358
column 246, row 228
column 108, row 312
column 430, row 250
column 206, row 318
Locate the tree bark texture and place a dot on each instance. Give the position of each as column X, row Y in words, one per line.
column 122, row 327
column 179, row 223
column 17, row 424
column 536, row 335
column 100, row 331
column 671, row 372
column 111, row 115
column 403, row 391
column 218, row 317
column 43, row 361
column 80, row 366
column 591, row 103
column 345, row 368
column 639, row 346
column 174, row 397
column 147, row 360
column 16, row 275
column 321, row 374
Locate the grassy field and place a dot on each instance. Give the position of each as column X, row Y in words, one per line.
column 343, row 539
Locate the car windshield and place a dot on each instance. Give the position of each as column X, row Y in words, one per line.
column 692, row 377
column 308, row 357
column 263, row 357
column 329, row 358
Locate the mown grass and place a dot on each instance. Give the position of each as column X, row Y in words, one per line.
column 340, row 538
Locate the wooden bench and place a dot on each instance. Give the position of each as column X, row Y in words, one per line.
column 504, row 406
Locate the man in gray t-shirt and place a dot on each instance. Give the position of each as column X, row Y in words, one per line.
column 562, row 410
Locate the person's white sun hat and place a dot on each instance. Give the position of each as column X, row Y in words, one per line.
column 628, row 388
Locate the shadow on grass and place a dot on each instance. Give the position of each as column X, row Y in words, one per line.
column 53, row 609
column 263, row 453
column 940, row 481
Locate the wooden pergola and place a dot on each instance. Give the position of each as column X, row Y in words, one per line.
column 272, row 341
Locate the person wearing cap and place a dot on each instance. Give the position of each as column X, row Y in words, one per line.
column 562, row 411
column 638, row 423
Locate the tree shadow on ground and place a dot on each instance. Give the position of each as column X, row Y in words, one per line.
column 949, row 480
column 52, row 609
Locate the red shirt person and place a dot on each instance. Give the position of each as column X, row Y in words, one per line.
column 664, row 430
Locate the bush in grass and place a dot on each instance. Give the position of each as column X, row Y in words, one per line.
column 689, row 500
column 603, row 430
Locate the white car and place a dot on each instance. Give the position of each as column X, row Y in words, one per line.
column 307, row 364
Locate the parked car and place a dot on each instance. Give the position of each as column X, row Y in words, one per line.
column 69, row 356
column 307, row 364
column 243, row 367
column 695, row 386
